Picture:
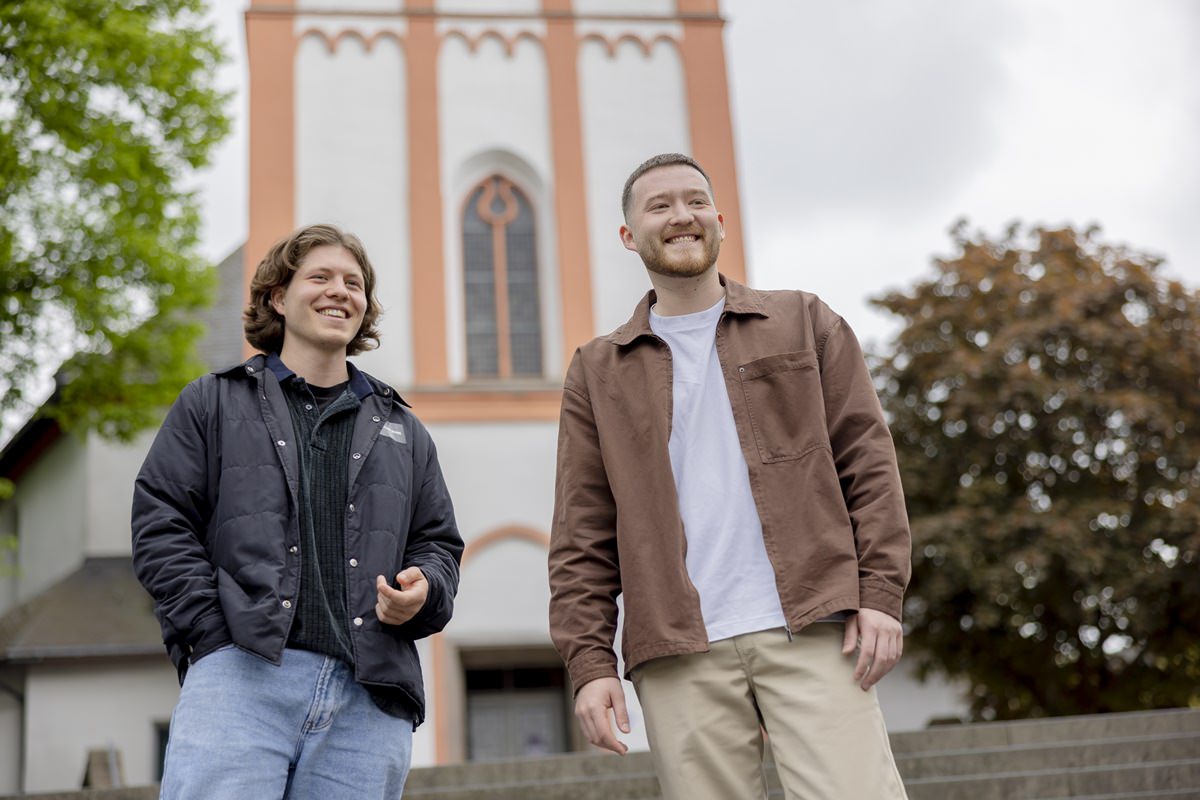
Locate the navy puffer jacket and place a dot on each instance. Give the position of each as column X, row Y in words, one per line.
column 216, row 533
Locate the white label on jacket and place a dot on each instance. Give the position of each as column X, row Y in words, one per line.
column 394, row 431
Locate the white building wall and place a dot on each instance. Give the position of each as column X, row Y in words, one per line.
column 632, row 7
column 488, row 6
column 633, row 106
column 494, row 606
column 112, row 468
column 499, row 474
column 51, row 509
column 10, row 736
column 79, row 707
column 352, row 161
column 494, row 117
column 909, row 705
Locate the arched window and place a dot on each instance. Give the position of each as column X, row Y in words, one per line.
column 504, row 328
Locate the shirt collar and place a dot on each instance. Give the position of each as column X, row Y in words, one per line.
column 358, row 382
column 739, row 299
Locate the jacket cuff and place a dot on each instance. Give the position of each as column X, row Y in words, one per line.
column 591, row 666
column 881, row 597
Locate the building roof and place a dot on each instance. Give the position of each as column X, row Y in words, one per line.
column 98, row 611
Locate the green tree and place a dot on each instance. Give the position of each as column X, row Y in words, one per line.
column 106, row 108
column 1044, row 399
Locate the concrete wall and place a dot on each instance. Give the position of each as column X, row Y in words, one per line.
column 74, row 708
column 111, row 470
column 10, row 731
column 52, row 503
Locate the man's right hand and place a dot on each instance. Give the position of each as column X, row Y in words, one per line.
column 592, row 705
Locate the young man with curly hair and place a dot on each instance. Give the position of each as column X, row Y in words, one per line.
column 293, row 527
column 724, row 464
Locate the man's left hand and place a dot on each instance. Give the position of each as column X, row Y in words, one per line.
column 397, row 606
column 880, row 641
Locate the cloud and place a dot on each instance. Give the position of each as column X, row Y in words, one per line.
column 879, row 107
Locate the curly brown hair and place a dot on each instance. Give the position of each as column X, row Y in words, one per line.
column 264, row 325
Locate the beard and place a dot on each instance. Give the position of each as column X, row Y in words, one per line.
column 659, row 258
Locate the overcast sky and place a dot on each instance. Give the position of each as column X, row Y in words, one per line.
column 865, row 128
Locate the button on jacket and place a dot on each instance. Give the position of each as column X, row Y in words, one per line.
column 216, row 532
column 822, row 472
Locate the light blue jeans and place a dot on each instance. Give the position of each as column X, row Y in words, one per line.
column 303, row 730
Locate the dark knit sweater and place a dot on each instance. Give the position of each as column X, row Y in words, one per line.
column 321, row 623
column 323, row 419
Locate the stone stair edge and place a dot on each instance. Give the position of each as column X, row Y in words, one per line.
column 1064, row 744
column 1038, row 773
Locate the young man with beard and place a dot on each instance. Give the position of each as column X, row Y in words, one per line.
column 724, row 465
column 294, row 530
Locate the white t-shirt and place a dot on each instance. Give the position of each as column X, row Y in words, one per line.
column 726, row 558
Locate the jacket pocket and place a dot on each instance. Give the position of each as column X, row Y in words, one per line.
column 785, row 405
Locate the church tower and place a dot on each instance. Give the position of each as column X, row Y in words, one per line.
column 479, row 148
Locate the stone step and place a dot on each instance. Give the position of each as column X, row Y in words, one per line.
column 1050, row 755
column 619, row 786
column 1149, row 778
column 573, row 766
column 1086, row 727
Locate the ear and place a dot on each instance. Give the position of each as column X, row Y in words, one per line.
column 277, row 297
column 627, row 238
column 721, row 225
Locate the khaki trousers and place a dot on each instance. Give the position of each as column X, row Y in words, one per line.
column 705, row 714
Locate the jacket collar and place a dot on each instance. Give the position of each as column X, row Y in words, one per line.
column 739, row 299
column 362, row 384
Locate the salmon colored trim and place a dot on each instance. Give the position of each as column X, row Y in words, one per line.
column 425, row 203
column 697, row 7
column 441, row 714
column 442, row 746
column 271, row 58
column 570, row 196
column 509, row 43
column 486, row 405
column 703, row 52
column 493, row 537
column 368, row 42
column 468, row 16
column 611, row 45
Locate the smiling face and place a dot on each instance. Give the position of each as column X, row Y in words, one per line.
column 323, row 304
column 672, row 223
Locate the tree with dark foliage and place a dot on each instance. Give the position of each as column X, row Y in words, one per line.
column 1044, row 396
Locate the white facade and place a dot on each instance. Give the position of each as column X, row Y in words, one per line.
column 72, row 709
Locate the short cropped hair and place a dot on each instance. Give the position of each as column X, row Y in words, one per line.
column 264, row 326
column 660, row 160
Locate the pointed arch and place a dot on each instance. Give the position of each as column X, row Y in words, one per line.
column 502, row 298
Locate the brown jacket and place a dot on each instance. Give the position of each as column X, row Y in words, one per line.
column 822, row 471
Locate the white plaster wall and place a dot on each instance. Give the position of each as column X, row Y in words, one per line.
column 633, row 107
column 424, row 747
column 51, row 509
column 383, row 6
column 488, row 6
column 111, row 470
column 498, row 474
column 75, row 708
column 909, row 705
column 494, row 112
column 352, row 167
column 631, row 7
column 10, row 739
column 504, row 597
